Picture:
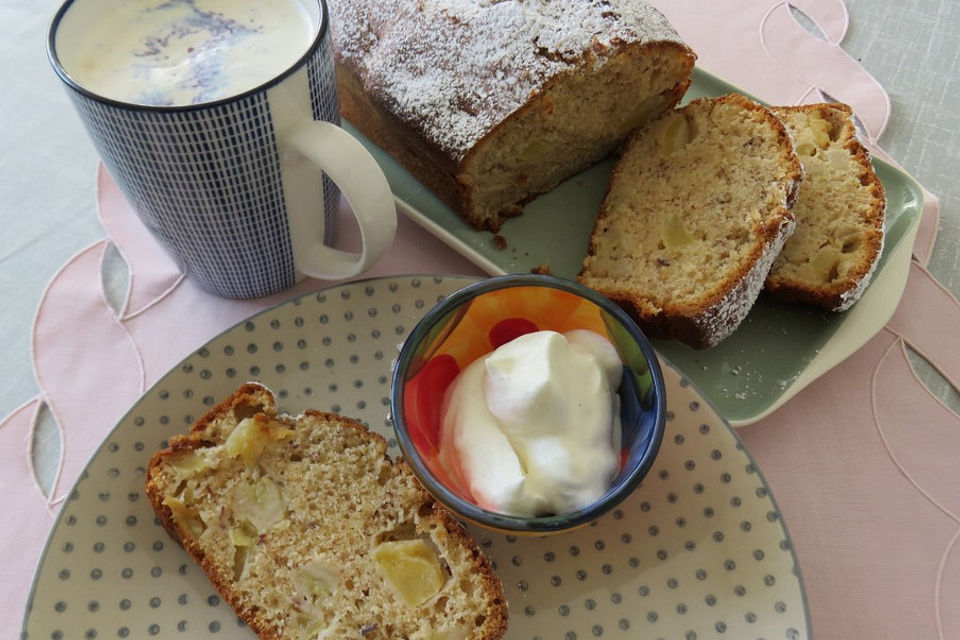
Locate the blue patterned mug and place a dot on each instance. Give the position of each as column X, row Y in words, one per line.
column 218, row 121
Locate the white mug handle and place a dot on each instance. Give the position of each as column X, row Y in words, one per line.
column 357, row 174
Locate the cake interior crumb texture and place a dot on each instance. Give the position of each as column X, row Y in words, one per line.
column 492, row 103
column 830, row 258
column 698, row 207
column 310, row 531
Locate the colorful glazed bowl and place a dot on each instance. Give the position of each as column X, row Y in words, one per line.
column 475, row 320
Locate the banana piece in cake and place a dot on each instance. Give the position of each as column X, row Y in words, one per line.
column 831, row 257
column 490, row 103
column 308, row 530
column 697, row 209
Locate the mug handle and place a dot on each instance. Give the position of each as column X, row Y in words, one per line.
column 360, row 179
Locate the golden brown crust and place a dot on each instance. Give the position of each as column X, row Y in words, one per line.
column 253, row 398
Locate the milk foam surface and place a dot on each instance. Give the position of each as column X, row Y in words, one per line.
column 182, row 52
column 534, row 427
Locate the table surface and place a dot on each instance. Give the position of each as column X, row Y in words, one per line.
column 48, row 164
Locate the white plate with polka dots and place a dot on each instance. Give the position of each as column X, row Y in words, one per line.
column 698, row 551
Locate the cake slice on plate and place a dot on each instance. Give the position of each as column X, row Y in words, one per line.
column 309, row 530
column 698, row 207
column 831, row 257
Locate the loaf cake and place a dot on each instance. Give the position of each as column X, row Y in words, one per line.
column 490, row 103
column 697, row 209
column 831, row 256
column 308, row 530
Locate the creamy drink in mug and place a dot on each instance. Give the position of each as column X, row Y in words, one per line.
column 181, row 52
column 219, row 121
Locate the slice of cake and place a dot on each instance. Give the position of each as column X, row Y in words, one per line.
column 489, row 104
column 308, row 530
column 697, row 210
column 831, row 256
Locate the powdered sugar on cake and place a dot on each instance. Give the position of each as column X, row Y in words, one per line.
column 453, row 70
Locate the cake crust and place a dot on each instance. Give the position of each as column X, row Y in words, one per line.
column 489, row 104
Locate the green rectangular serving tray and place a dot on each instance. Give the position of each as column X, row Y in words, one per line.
column 778, row 349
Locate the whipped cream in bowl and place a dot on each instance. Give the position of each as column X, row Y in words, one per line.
column 533, row 428
column 528, row 404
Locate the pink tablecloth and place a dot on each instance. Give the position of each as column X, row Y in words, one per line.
column 863, row 462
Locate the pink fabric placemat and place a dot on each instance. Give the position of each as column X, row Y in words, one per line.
column 862, row 462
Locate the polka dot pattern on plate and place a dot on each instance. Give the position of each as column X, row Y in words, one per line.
column 698, row 551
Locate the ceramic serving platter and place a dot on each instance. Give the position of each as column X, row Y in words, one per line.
column 778, row 350
column 699, row 550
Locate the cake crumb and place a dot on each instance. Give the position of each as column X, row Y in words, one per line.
column 499, row 242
